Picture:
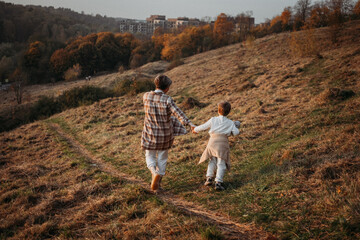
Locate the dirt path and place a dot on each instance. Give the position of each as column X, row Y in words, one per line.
column 230, row 229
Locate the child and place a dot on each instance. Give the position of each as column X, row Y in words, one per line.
column 218, row 150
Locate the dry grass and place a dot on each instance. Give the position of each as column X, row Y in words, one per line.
column 295, row 164
column 47, row 191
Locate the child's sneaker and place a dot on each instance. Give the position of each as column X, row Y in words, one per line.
column 209, row 181
column 219, row 186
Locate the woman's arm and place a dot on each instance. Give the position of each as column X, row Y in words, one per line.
column 178, row 113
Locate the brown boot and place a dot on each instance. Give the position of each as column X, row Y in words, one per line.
column 155, row 182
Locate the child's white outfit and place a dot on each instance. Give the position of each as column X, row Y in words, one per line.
column 218, row 149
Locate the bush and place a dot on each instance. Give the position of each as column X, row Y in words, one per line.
column 44, row 107
column 121, row 69
column 175, row 63
column 82, row 96
column 304, row 44
column 250, row 41
column 133, row 86
column 72, row 73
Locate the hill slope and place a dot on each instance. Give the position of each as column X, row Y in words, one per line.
column 295, row 164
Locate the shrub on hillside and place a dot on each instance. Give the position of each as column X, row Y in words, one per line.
column 73, row 73
column 133, row 86
column 121, row 69
column 44, row 107
column 82, row 96
column 335, row 94
column 175, row 63
column 304, row 44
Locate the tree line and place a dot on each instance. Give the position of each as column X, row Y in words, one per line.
column 307, row 15
column 23, row 28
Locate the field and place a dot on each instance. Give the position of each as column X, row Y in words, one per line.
column 296, row 162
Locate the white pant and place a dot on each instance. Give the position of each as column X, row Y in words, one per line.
column 156, row 164
column 216, row 165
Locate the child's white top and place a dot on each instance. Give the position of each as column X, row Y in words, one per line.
column 219, row 125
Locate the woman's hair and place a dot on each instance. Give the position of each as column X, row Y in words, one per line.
column 162, row 82
column 224, row 108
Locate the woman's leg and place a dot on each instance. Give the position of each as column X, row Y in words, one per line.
column 162, row 160
column 150, row 156
column 160, row 170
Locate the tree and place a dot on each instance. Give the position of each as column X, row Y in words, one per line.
column 319, row 16
column 19, row 80
column 276, row 25
column 302, row 9
column 36, row 62
column 286, row 18
column 339, row 11
column 356, row 9
column 223, row 28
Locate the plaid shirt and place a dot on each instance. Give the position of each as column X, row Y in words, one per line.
column 159, row 126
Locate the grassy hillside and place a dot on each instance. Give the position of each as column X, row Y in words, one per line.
column 295, row 164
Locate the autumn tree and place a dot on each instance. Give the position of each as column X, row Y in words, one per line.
column 319, row 16
column 339, row 12
column 19, row 80
column 223, row 28
column 356, row 9
column 95, row 52
column 302, row 8
column 36, row 62
column 276, row 25
column 286, row 18
column 171, row 49
column 191, row 41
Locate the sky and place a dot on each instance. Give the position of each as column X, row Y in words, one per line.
column 141, row 9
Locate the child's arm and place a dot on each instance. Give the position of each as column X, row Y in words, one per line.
column 203, row 127
column 235, row 131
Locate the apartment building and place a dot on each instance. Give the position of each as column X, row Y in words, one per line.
column 153, row 22
column 148, row 26
column 243, row 23
column 134, row 26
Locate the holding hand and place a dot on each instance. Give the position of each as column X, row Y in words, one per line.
column 193, row 129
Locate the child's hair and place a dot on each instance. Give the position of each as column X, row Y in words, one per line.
column 224, row 108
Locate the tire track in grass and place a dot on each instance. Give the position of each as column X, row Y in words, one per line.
column 229, row 228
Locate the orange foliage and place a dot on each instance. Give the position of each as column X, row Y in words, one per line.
column 33, row 54
column 222, row 29
column 95, row 52
column 191, row 41
column 275, row 20
column 286, row 16
column 169, row 50
column 357, row 8
column 319, row 17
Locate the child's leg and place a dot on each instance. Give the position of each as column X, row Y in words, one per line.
column 150, row 156
column 162, row 160
column 221, row 169
column 211, row 167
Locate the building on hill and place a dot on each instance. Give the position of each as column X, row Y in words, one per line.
column 156, row 21
column 148, row 26
column 243, row 23
column 134, row 26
